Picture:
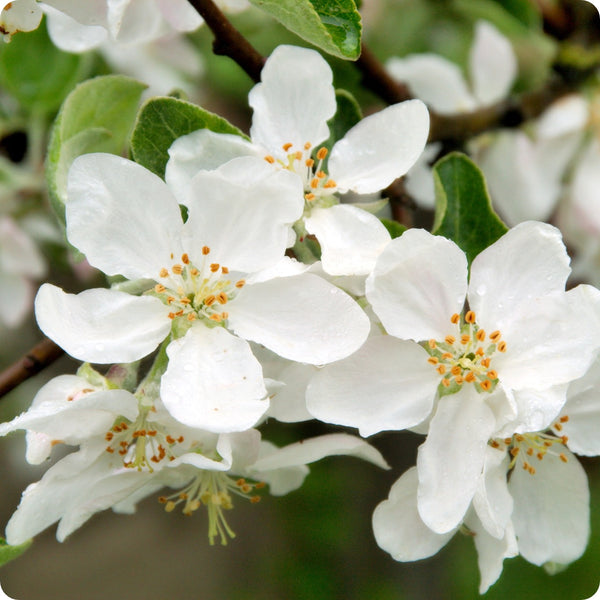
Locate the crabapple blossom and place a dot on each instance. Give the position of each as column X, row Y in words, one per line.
column 498, row 368
column 292, row 105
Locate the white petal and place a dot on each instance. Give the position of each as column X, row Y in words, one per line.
column 551, row 513
column 310, row 450
column 393, row 374
column 134, row 21
column 69, row 34
column 419, row 282
column 16, row 299
column 585, row 202
column 419, row 179
column 527, row 262
column 380, row 148
column 435, row 80
column 213, row 381
column 398, row 528
column 568, row 114
column 111, row 198
column 451, row 459
column 243, row 212
column 302, row 318
column 536, row 409
column 180, row 15
column 493, row 64
column 202, row 150
column 19, row 254
column 294, row 100
column 351, row 239
column 102, row 326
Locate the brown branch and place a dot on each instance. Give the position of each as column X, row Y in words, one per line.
column 228, row 40
column 38, row 358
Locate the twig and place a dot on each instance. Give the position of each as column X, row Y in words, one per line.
column 38, row 358
column 228, row 40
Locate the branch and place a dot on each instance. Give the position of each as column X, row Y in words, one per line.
column 228, row 40
column 37, row 359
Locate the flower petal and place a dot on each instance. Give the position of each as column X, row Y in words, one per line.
column 527, row 262
column 398, row 528
column 102, row 326
column 243, row 212
column 111, row 198
column 451, row 459
column 351, row 239
column 551, row 513
column 380, row 148
column 419, row 282
column 213, row 381
column 393, row 374
column 302, row 318
column 294, row 100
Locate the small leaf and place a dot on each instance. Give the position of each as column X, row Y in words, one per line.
column 394, row 228
column 37, row 73
column 161, row 121
column 463, row 210
column 97, row 116
column 8, row 553
column 332, row 25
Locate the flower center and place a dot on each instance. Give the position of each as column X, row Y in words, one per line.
column 213, row 490
column 141, row 443
column 467, row 356
column 526, row 447
column 197, row 292
column 300, row 161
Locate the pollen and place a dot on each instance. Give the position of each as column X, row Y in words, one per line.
column 309, row 162
column 307, row 146
column 240, row 283
column 314, row 184
column 449, row 339
column 480, row 335
column 177, row 269
column 502, row 346
column 222, row 298
column 214, row 267
column 310, row 197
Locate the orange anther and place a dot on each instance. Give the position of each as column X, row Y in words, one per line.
column 450, row 339
column 164, row 272
column 287, row 146
column 431, row 344
column 492, row 374
column 210, row 300
column 307, row 145
column 495, row 336
column 464, row 339
column 177, row 269
column 222, row 298
column 205, row 250
column 564, row 418
column 502, row 347
column 240, row 283
column 470, row 317
column 330, row 183
column 322, row 153
column 446, row 382
column 441, row 369
column 455, row 370
column 310, row 197
column 485, row 385
column 320, row 174
column 455, row 318
column 159, row 289
column 433, row 360
column 185, row 259
column 214, row 267
column 314, row 184
column 309, row 162
column 269, row 159
column 469, row 377
column 480, row 335
column 563, row 457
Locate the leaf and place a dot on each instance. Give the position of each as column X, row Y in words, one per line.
column 97, row 116
column 463, row 210
column 161, row 121
column 37, row 73
column 332, row 25
column 8, row 553
column 394, row 228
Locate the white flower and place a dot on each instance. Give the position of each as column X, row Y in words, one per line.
column 216, row 272
column 499, row 369
column 19, row 15
column 292, row 105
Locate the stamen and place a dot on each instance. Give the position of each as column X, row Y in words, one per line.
column 205, row 250
column 164, row 272
column 450, row 339
column 185, row 259
column 269, row 159
column 307, row 146
column 177, row 269
column 287, row 146
column 322, row 153
column 455, row 318
column 214, row 267
column 309, row 162
column 470, row 317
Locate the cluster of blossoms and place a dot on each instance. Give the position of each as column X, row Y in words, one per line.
column 215, row 275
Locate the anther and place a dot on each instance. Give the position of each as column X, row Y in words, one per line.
column 480, row 335
column 446, row 356
column 214, row 267
column 298, row 155
column 433, row 360
column 469, row 377
column 514, row 451
column 563, row 457
column 445, row 382
column 455, row 370
column 441, row 369
column 310, row 197
column 164, row 272
column 450, row 339
column 320, row 174
column 309, row 162
column 205, row 250
column 322, row 153
column 209, row 300
column 307, row 145
column 269, row 159
column 431, row 344
column 492, row 374
column 470, row 317
column 495, row 336
column 185, row 259
column 287, row 146
column 564, row 439
column 502, row 347
column 159, row 289
column 485, row 385
column 314, row 184
column 194, row 272
column 224, row 270
column 177, row 269
column 222, row 298
column 464, row 339
column 558, row 426
column 330, row 183
column 240, row 283
column 455, row 318
column 564, row 418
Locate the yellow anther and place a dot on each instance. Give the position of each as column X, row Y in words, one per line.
column 432, row 344
column 441, row 369
column 558, row 426
column 307, row 146
column 322, row 153
column 309, row 162
column 480, row 335
column 224, row 315
column 164, row 273
column 530, row 451
column 298, row 155
column 455, row 318
column 205, row 250
column 479, row 351
column 450, row 339
column 531, row 470
column 214, row 267
column 446, row 382
column 459, row 379
column 519, row 437
column 185, row 301
column 314, row 184
column 191, row 316
column 469, row 377
column 513, row 451
column 216, row 318
column 502, row 347
column 455, row 370
column 269, row 159
column 185, row 259
column 433, row 360
column 310, row 197
column 171, row 315
column 170, row 299
column 485, row 385
column 222, row 298
column 470, row 317
column 446, row 356
column 495, row 336
column 210, row 300
column 240, row 283
column 177, row 269
column 287, row 146
column 492, row 374
column 485, row 362
column 330, row 183
column 159, row 289
column 564, row 418
column 320, row 174
column 564, row 439
column 508, row 441
column 194, row 272
column 464, row 339
column 224, row 270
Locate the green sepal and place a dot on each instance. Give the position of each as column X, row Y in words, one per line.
column 37, row 73
column 161, row 121
column 463, row 210
column 394, row 228
column 334, row 26
column 8, row 553
column 97, row 116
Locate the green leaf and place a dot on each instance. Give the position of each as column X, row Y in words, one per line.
column 8, row 553
column 524, row 10
column 394, row 228
column 332, row 25
column 37, row 73
column 463, row 210
column 97, row 116
column 161, row 121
